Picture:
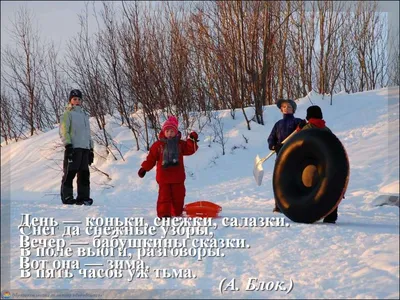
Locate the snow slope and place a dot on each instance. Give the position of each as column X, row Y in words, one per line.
column 356, row 258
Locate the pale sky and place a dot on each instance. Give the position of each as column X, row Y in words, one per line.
column 58, row 20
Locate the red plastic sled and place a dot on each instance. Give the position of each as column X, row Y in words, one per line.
column 204, row 209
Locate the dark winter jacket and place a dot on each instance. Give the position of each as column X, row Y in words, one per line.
column 173, row 174
column 282, row 129
column 75, row 128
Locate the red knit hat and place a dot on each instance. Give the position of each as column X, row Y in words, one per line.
column 171, row 123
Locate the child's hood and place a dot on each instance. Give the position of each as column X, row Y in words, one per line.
column 317, row 122
column 161, row 135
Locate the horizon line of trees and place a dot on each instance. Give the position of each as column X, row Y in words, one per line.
column 185, row 57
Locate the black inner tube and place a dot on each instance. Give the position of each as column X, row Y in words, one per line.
column 324, row 158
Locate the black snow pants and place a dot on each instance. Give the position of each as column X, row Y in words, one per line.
column 78, row 166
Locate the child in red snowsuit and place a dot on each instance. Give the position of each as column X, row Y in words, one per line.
column 168, row 154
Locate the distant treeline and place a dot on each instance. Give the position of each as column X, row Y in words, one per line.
column 183, row 57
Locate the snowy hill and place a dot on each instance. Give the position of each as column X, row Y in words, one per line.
column 358, row 257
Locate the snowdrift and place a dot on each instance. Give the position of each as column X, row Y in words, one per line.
column 358, row 257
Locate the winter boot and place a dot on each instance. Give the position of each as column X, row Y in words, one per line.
column 83, row 182
column 329, row 221
column 69, row 200
column 332, row 217
column 87, row 201
column 276, row 210
column 67, row 195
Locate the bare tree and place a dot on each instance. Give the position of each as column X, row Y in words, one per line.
column 302, row 36
column 140, row 66
column 54, row 89
column 217, row 125
column 86, row 71
column 394, row 63
column 10, row 123
column 341, row 50
column 145, row 63
column 22, row 68
column 330, row 23
column 282, row 49
column 110, row 50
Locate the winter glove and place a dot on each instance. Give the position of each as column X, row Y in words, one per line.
column 194, row 137
column 278, row 147
column 142, row 172
column 91, row 156
column 69, row 152
column 302, row 124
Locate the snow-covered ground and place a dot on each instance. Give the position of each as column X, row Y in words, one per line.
column 358, row 257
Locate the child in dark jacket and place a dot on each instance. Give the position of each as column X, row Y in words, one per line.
column 315, row 120
column 283, row 128
column 168, row 154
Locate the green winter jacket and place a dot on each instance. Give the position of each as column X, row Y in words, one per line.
column 75, row 128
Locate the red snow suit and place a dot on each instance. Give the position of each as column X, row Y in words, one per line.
column 171, row 193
